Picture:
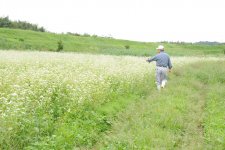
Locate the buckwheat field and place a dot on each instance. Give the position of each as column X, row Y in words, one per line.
column 51, row 100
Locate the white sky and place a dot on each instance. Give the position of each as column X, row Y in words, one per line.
column 140, row 20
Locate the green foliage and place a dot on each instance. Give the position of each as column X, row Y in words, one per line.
column 21, row 39
column 60, row 46
column 86, row 35
column 214, row 126
column 74, row 34
column 5, row 22
column 127, row 46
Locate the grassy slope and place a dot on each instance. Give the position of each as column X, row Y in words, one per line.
column 30, row 40
column 188, row 114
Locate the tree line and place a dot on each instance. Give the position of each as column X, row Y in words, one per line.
column 5, row 22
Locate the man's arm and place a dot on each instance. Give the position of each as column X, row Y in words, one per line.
column 151, row 59
column 170, row 64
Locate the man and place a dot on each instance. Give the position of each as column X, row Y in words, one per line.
column 163, row 63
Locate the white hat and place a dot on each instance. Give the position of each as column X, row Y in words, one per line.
column 160, row 47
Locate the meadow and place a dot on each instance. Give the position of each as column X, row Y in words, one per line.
column 52, row 100
column 44, row 41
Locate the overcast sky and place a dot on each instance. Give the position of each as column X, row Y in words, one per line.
column 140, row 20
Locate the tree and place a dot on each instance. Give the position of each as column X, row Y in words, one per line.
column 5, row 22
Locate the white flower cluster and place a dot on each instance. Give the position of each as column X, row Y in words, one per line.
column 45, row 85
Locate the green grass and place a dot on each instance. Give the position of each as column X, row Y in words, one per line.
column 30, row 40
column 188, row 114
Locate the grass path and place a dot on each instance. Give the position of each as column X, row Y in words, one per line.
column 194, row 132
column 177, row 117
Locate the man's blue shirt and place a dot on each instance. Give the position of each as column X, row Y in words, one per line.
column 162, row 60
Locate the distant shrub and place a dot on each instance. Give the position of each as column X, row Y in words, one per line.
column 94, row 35
column 41, row 29
column 164, row 42
column 127, row 46
column 74, row 34
column 21, row 39
column 27, row 46
column 86, row 35
column 60, row 46
column 224, row 51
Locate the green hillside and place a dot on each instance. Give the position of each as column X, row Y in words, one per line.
column 43, row 41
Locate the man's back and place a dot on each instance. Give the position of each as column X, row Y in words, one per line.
column 162, row 60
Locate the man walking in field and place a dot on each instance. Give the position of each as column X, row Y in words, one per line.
column 163, row 65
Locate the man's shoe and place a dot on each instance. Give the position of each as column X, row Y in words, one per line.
column 163, row 83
